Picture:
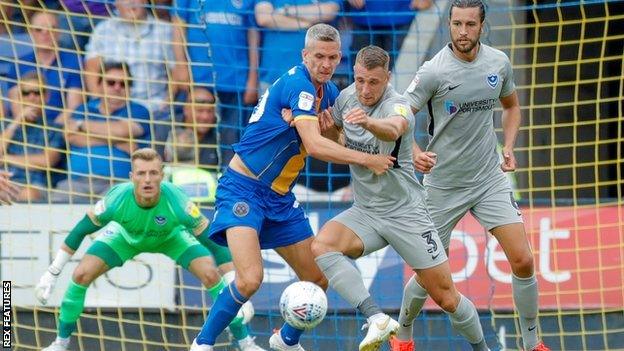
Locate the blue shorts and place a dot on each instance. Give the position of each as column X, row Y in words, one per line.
column 243, row 201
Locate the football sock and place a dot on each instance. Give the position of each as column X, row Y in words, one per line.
column 414, row 297
column 290, row 335
column 347, row 281
column 465, row 321
column 71, row 308
column 222, row 313
column 525, row 297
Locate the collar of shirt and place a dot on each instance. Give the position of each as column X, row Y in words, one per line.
column 136, row 30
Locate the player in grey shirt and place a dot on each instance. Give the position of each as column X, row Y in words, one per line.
column 388, row 209
column 461, row 85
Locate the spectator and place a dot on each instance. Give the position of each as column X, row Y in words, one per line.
column 147, row 45
column 101, row 135
column 14, row 15
column 284, row 23
column 80, row 19
column 382, row 23
column 192, row 147
column 61, row 69
column 8, row 190
column 234, row 57
column 28, row 144
column 195, row 140
column 161, row 9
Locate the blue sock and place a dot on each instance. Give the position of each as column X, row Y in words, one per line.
column 290, row 334
column 221, row 314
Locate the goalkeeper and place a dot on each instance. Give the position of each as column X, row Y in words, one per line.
column 144, row 215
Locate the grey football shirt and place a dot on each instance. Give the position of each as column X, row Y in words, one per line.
column 398, row 189
column 461, row 97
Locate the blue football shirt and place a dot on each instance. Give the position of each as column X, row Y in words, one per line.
column 270, row 148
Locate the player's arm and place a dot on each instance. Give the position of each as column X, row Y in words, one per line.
column 196, row 223
column 93, row 221
column 423, row 160
column 266, row 16
column 314, row 13
column 421, row 89
column 387, row 129
column 84, row 227
column 329, row 129
column 511, row 124
column 326, row 150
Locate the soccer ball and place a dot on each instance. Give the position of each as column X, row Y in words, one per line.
column 303, row 305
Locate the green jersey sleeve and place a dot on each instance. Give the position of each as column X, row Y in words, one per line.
column 103, row 210
column 187, row 212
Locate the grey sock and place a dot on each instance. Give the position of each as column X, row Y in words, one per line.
column 414, row 297
column 369, row 308
column 346, row 280
column 465, row 321
column 525, row 298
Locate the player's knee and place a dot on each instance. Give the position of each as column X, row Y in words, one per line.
column 522, row 266
column 447, row 300
column 320, row 247
column 210, row 277
column 248, row 283
column 445, row 295
column 83, row 275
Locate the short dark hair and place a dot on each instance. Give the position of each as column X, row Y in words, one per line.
column 463, row 4
column 373, row 56
column 120, row 65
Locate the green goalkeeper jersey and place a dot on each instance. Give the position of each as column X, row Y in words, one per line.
column 147, row 227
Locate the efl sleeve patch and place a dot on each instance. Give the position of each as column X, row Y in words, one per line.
column 400, row 110
column 192, row 210
column 306, row 101
column 99, row 208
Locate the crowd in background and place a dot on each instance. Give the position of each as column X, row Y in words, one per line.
column 84, row 83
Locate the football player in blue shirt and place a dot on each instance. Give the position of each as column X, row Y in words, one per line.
column 255, row 207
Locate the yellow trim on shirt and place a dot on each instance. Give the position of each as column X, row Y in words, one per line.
column 290, row 172
column 306, row 117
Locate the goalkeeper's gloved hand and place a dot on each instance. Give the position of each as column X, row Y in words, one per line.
column 44, row 288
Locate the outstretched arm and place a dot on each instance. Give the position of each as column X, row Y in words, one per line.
column 72, row 242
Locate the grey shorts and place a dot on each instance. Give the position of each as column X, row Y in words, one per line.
column 492, row 205
column 412, row 235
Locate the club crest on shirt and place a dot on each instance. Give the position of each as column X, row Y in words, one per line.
column 492, row 80
column 160, row 220
column 241, row 209
column 305, row 101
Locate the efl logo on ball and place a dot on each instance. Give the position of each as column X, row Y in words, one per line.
column 303, row 305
